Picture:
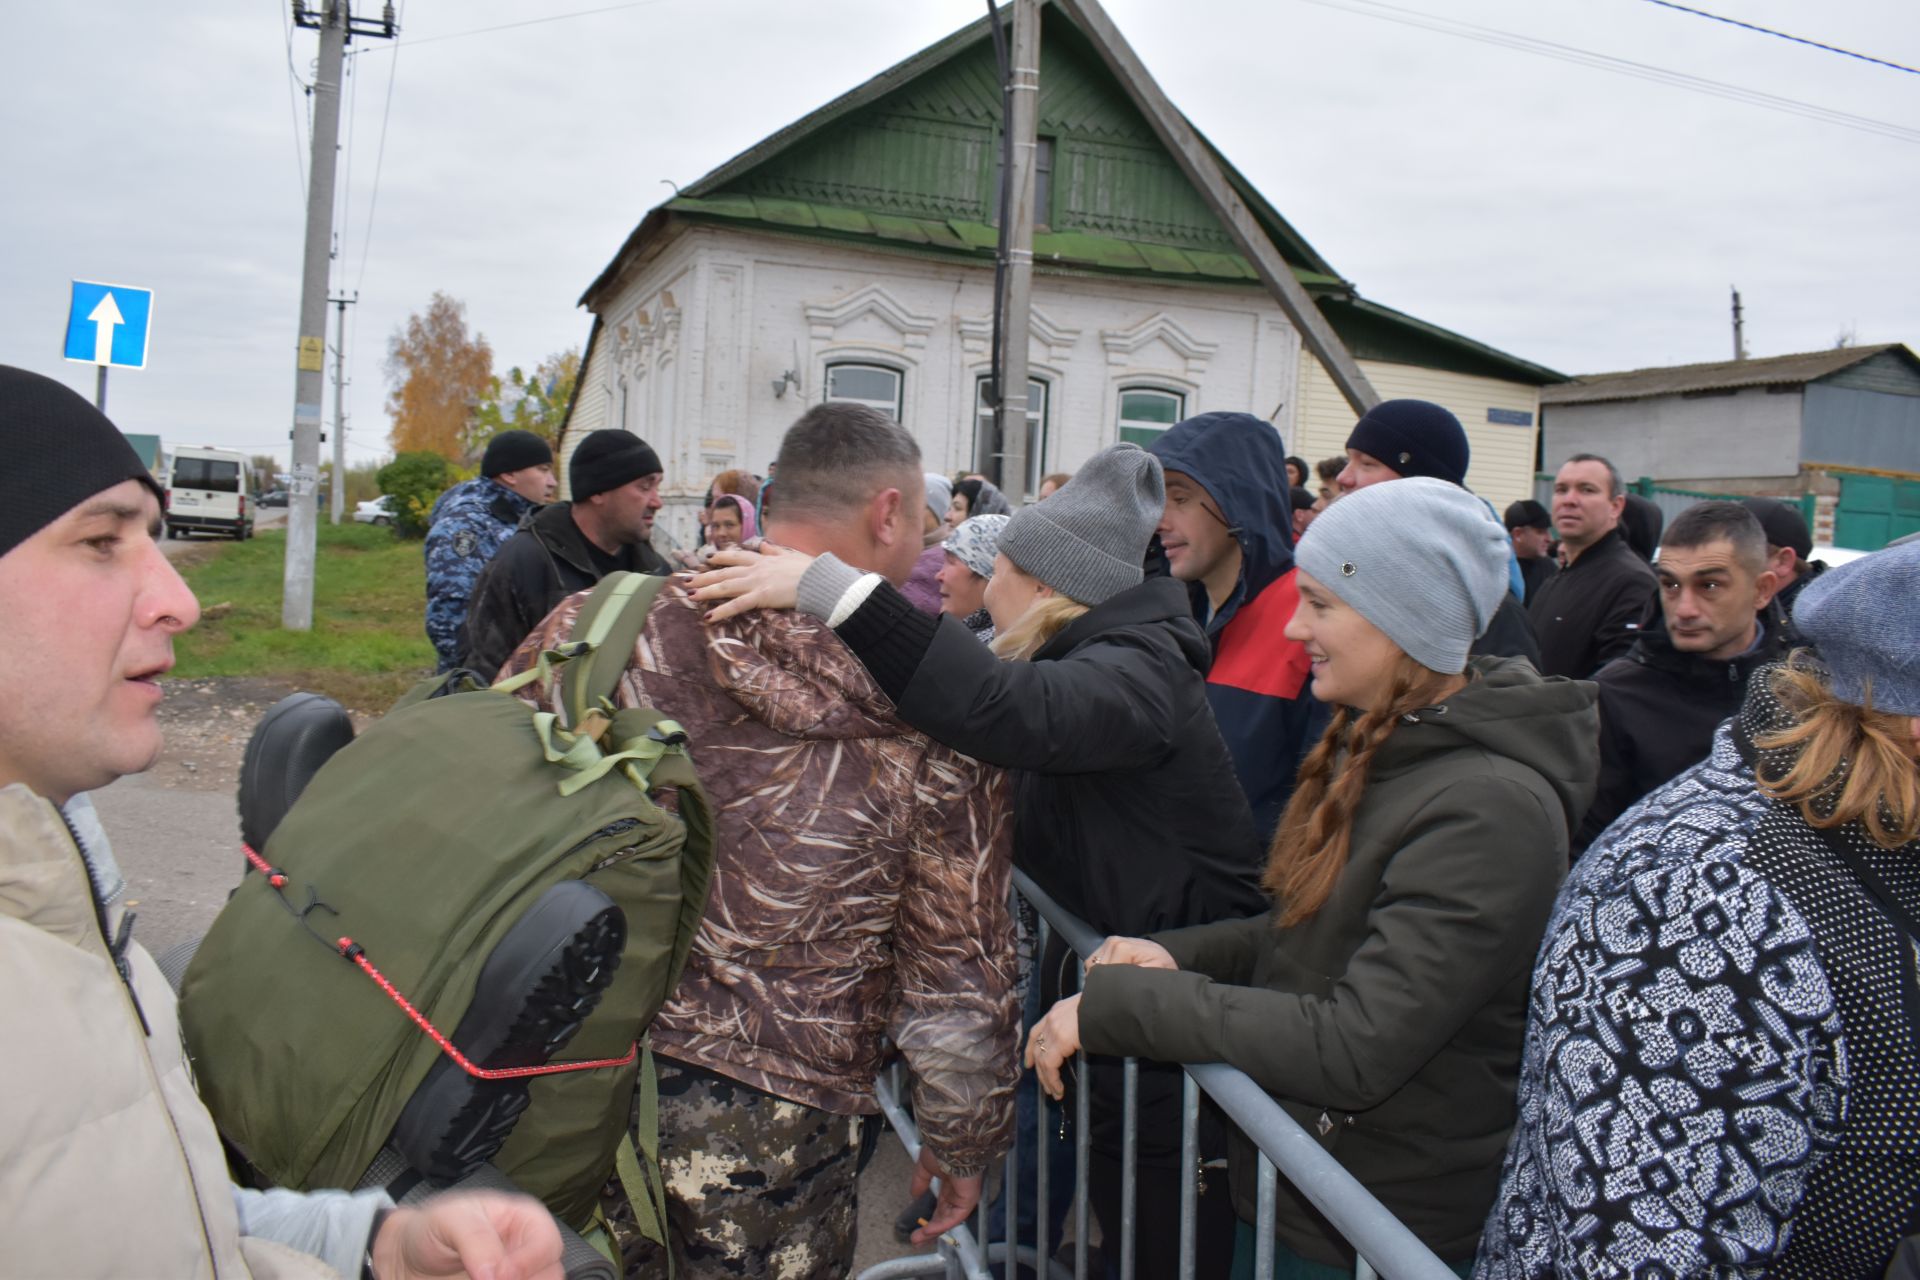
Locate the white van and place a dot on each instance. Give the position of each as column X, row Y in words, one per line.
column 210, row 491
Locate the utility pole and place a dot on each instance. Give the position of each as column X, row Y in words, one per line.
column 336, row 25
column 1739, row 328
column 1022, row 125
column 338, row 501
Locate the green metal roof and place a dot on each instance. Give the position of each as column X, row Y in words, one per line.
column 908, row 162
column 978, row 240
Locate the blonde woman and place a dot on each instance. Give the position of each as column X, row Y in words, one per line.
column 1722, row 1072
column 1382, row 1001
column 1126, row 809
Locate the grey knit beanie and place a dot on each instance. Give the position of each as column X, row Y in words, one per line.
column 939, row 493
column 1087, row 539
column 1421, row 559
column 1864, row 619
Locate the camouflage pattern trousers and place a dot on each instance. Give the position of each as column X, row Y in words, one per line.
column 755, row 1185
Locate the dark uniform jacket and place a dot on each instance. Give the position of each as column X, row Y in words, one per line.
column 1658, row 710
column 544, row 562
column 470, row 522
column 1390, row 1023
column 1591, row 612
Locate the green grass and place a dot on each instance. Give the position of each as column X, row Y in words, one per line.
column 368, row 642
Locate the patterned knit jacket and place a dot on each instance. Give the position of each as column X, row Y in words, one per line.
column 860, row 883
column 1721, row 1075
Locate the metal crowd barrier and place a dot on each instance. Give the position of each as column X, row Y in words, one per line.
column 1384, row 1245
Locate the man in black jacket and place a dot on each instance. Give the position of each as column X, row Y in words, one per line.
column 1590, row 612
column 1789, row 546
column 1688, row 671
column 1400, row 438
column 568, row 546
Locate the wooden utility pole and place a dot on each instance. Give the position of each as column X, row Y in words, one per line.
column 1739, row 327
column 1201, row 169
column 1022, row 124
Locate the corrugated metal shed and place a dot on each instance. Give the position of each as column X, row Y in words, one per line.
column 1727, row 375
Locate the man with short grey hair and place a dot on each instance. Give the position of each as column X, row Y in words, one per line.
column 1590, row 612
column 860, row 884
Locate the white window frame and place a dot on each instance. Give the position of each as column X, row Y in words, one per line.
column 899, row 375
column 1037, row 458
column 1179, row 396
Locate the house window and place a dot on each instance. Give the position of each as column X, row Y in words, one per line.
column 873, row 385
column 1037, row 433
column 1042, row 184
column 1146, row 413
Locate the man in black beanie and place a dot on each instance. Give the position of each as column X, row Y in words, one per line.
column 1400, row 438
column 614, row 478
column 471, row 522
column 100, row 1109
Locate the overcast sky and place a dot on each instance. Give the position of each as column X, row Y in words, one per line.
column 1577, row 217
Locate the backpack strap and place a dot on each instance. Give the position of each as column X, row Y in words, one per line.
column 607, row 627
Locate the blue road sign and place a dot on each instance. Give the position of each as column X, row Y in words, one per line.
column 109, row 324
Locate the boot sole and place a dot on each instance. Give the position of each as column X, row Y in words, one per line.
column 294, row 738
column 543, row 980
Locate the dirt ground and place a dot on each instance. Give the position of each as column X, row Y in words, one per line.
column 176, row 833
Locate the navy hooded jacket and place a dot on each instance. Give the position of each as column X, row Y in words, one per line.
column 1258, row 683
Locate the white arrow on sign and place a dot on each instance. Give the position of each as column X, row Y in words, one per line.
column 106, row 318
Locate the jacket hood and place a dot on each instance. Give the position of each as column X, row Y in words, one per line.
column 1157, row 604
column 794, row 675
column 1239, row 461
column 1548, row 723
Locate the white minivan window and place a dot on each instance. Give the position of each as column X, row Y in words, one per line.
column 214, row 474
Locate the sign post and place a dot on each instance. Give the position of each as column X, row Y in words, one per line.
column 108, row 324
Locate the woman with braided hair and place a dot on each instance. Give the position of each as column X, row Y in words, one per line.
column 1382, row 1000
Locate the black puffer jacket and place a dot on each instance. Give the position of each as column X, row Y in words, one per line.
column 1125, row 807
column 1658, row 710
column 1590, row 612
column 545, row 561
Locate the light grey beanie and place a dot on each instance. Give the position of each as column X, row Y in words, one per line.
column 1087, row 539
column 939, row 493
column 1421, row 559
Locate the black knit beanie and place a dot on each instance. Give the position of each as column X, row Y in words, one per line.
column 606, row 460
column 59, row 452
column 512, row 451
column 1414, row 438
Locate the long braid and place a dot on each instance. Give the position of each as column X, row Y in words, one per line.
column 1310, row 847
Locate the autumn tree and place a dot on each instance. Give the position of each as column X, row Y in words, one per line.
column 437, row 376
column 536, row 403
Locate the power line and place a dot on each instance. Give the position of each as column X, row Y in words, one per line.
column 530, row 22
column 380, row 152
column 293, row 105
column 1621, row 66
column 1769, row 31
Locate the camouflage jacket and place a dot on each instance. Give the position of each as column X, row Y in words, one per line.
column 860, row 884
column 469, row 523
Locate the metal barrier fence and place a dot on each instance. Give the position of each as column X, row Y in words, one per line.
column 1383, row 1243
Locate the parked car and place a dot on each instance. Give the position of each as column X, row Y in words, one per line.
column 274, row 498
column 375, row 510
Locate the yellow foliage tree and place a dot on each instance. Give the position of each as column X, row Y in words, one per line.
column 437, row 376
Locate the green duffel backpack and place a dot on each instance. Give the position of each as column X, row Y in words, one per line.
column 316, row 1007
